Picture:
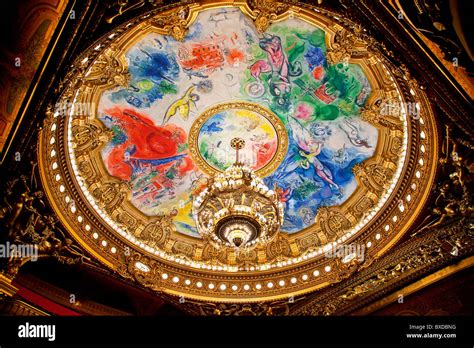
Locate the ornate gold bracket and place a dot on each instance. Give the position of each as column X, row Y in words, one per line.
column 347, row 44
column 141, row 269
column 108, row 70
column 378, row 114
column 264, row 12
column 174, row 22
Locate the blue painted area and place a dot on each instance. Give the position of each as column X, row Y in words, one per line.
column 153, row 76
column 315, row 57
column 306, row 190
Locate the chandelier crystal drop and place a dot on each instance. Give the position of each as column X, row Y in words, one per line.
column 237, row 209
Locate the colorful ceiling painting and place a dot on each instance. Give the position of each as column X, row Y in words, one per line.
column 224, row 59
column 264, row 136
column 325, row 117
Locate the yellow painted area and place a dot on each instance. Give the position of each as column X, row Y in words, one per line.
column 267, row 128
column 263, row 124
column 247, row 114
column 184, row 214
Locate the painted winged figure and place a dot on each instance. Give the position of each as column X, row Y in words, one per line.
column 309, row 150
column 182, row 106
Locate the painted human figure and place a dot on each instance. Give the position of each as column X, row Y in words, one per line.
column 182, row 106
column 279, row 66
column 309, row 150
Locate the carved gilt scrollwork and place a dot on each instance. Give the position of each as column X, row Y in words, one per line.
column 373, row 176
column 107, row 70
column 378, row 114
column 264, row 12
column 333, row 223
column 173, row 23
column 142, row 269
column 88, row 135
column 347, row 44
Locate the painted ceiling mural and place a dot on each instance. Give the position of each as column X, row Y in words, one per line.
column 326, row 120
column 222, row 59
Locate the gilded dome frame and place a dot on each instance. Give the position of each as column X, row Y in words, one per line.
column 102, row 67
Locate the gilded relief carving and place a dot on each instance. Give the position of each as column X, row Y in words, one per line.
column 278, row 248
column 184, row 249
column 346, row 45
column 213, row 255
column 373, row 176
column 109, row 195
column 127, row 220
column 333, row 222
column 453, row 195
column 22, row 214
column 421, row 255
column 173, row 23
column 362, row 206
column 143, row 270
column 247, row 258
column 107, row 70
column 378, row 115
column 310, row 240
column 88, row 136
column 156, row 233
column 264, row 12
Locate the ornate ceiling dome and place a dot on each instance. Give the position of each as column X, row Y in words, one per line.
column 145, row 121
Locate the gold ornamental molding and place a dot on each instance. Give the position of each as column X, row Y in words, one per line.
column 97, row 211
column 6, row 286
column 418, row 285
column 449, row 246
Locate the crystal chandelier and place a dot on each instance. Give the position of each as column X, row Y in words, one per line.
column 237, row 209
